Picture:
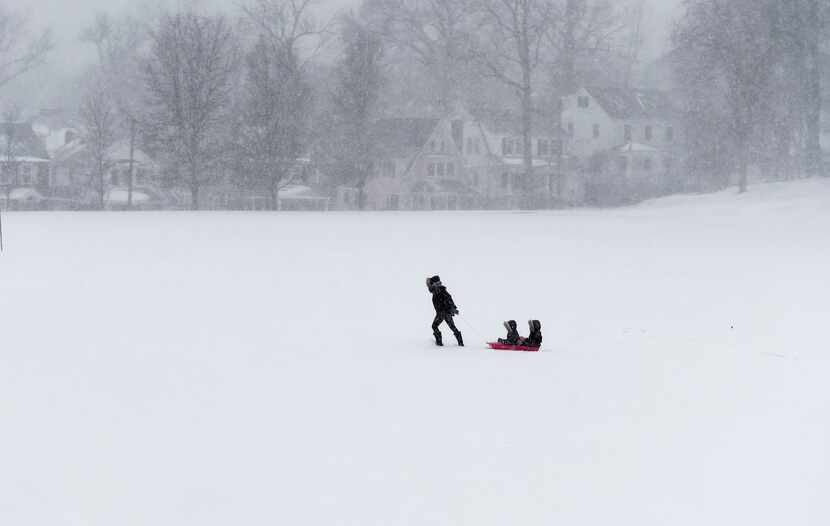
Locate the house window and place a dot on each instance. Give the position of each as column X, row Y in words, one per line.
column 477, row 145
column 469, row 145
column 517, row 181
column 26, row 174
column 505, row 180
column 649, row 133
column 627, row 133
column 475, row 179
column 543, row 147
column 443, row 147
column 450, row 170
column 647, row 165
column 583, row 102
column 506, row 146
column 439, row 169
column 394, row 202
column 433, row 146
column 431, row 169
column 571, row 129
column 622, row 164
column 669, row 134
column 596, row 131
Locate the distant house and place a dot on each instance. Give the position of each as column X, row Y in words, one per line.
column 418, row 165
column 24, row 166
column 494, row 155
column 72, row 176
column 628, row 141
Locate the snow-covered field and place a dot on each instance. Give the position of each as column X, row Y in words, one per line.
column 174, row 369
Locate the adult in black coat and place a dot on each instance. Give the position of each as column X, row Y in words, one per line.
column 445, row 309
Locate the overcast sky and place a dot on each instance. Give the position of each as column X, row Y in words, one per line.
column 68, row 17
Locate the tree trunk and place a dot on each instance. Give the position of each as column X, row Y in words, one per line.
column 361, row 194
column 527, row 130
column 812, row 92
column 526, row 102
column 131, row 175
column 194, row 186
column 743, row 169
column 274, row 193
column 101, row 189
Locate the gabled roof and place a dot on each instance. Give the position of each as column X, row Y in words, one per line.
column 506, row 122
column 402, row 137
column 623, row 103
column 25, row 142
column 119, row 152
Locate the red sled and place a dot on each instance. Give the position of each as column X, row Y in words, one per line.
column 505, row 347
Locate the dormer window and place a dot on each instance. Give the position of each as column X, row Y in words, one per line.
column 669, row 134
column 583, row 102
column 649, row 133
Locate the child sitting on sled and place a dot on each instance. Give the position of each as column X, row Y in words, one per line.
column 513, row 337
column 534, row 339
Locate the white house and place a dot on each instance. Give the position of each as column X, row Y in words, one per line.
column 627, row 139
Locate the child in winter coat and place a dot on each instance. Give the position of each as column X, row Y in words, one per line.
column 534, row 339
column 513, row 337
column 445, row 309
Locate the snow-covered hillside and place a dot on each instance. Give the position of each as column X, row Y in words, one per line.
column 174, row 369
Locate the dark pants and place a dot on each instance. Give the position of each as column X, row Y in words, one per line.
column 441, row 317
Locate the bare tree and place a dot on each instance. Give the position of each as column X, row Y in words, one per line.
column 510, row 48
column 189, row 73
column 358, row 78
column 119, row 43
column 799, row 29
column 579, row 32
column 735, row 39
column 274, row 133
column 21, row 49
column 277, row 97
column 12, row 144
column 435, row 33
column 99, row 118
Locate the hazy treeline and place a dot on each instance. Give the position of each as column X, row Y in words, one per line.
column 240, row 97
column 752, row 75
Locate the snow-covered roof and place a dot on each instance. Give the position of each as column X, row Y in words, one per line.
column 119, row 196
column 635, row 147
column 24, row 159
column 120, row 152
column 25, row 194
column 298, row 191
column 623, row 103
column 518, row 161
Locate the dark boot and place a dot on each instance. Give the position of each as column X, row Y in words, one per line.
column 460, row 339
column 438, row 340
